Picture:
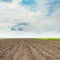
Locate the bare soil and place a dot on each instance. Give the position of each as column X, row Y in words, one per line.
column 29, row 49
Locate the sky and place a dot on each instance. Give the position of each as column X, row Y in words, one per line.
column 29, row 18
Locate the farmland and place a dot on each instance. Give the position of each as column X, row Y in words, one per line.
column 29, row 49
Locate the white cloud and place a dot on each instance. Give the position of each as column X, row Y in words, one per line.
column 13, row 13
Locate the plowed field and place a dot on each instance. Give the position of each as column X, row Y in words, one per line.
column 29, row 49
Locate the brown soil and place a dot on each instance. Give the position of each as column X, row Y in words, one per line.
column 29, row 49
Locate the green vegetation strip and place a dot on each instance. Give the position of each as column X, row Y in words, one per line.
column 47, row 38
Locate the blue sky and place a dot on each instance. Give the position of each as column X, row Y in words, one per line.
column 6, row 1
column 30, row 17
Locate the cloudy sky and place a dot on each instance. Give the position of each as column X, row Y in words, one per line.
column 29, row 18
